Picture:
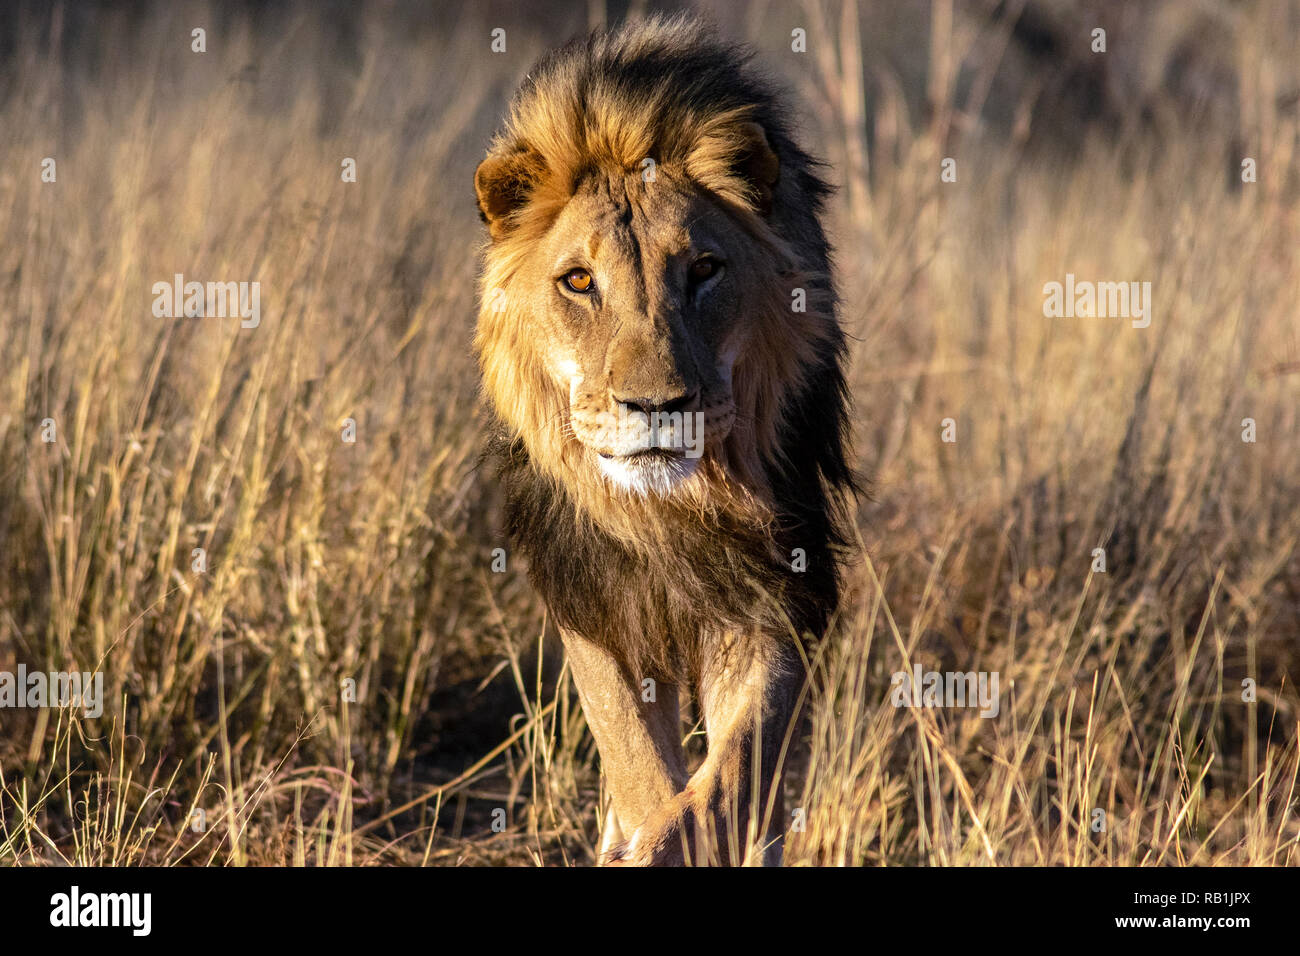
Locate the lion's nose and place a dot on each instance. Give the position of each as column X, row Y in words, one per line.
column 659, row 404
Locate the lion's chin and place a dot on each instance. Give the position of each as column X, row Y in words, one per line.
column 647, row 473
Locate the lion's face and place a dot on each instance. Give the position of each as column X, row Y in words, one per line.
column 642, row 334
column 638, row 294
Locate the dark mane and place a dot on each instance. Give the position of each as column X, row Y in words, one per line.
column 650, row 606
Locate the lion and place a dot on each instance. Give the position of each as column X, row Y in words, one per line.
column 661, row 354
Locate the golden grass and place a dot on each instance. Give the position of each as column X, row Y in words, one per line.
column 370, row 561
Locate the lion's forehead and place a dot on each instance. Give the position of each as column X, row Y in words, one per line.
column 641, row 229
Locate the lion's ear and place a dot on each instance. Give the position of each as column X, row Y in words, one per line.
column 758, row 164
column 503, row 183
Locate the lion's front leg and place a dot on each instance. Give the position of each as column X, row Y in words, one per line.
column 731, row 811
column 640, row 741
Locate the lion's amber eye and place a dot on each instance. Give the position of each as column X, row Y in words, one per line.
column 704, row 268
column 578, row 280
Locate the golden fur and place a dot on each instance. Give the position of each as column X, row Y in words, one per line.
column 645, row 159
column 546, row 150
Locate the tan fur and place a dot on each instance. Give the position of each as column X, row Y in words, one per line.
column 564, row 187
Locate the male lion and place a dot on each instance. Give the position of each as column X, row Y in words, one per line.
column 659, row 344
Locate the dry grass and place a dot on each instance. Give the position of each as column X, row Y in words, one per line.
column 370, row 561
